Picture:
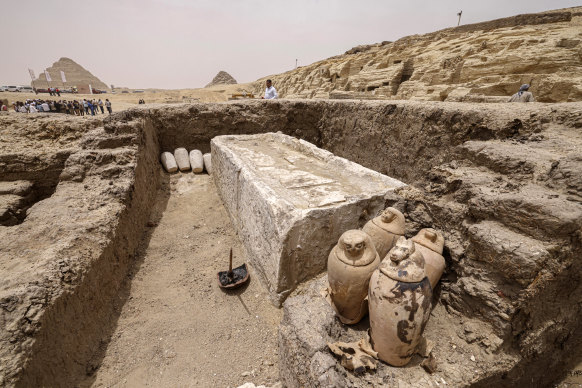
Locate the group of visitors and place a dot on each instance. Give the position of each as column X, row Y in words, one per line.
column 75, row 107
column 142, row 101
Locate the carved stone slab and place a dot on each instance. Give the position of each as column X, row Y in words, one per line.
column 290, row 202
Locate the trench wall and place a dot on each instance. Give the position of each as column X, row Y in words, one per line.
column 63, row 266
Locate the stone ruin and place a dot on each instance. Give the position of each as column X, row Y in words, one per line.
column 222, row 78
column 502, row 184
column 75, row 74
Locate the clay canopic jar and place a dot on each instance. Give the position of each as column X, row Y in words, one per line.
column 431, row 243
column 385, row 230
column 349, row 267
column 399, row 302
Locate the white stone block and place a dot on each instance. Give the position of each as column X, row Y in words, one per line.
column 196, row 161
column 207, row 163
column 169, row 162
column 182, row 159
column 290, row 202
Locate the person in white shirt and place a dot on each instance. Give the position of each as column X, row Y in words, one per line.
column 270, row 92
column 45, row 107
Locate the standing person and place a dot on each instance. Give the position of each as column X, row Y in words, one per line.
column 100, row 103
column 58, row 92
column 86, row 106
column 108, row 105
column 91, row 107
column 523, row 95
column 82, row 107
column 270, row 91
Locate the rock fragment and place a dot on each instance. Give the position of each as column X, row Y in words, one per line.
column 429, row 364
column 196, row 161
column 182, row 159
column 168, row 162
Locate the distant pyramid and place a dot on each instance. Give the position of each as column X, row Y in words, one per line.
column 74, row 73
column 222, row 78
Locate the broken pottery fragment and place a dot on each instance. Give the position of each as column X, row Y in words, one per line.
column 196, row 161
column 399, row 302
column 182, row 159
column 349, row 267
column 352, row 357
column 431, row 243
column 169, row 162
column 207, row 163
column 385, row 230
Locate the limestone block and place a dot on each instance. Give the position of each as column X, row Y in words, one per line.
column 207, row 163
column 290, row 202
column 196, row 161
column 169, row 162
column 182, row 159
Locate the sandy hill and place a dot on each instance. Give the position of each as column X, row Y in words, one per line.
column 74, row 73
column 473, row 62
column 222, row 78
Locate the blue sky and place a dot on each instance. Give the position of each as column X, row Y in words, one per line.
column 183, row 44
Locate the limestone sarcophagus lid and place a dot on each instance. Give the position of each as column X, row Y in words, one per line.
column 291, row 201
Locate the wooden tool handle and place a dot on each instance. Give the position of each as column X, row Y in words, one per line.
column 230, row 264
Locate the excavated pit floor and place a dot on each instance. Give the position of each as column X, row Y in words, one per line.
column 175, row 327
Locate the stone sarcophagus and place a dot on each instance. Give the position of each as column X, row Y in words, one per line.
column 291, row 201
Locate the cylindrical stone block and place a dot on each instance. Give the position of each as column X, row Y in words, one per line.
column 196, row 161
column 207, row 163
column 182, row 159
column 169, row 162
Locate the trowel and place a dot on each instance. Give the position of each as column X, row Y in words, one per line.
column 233, row 278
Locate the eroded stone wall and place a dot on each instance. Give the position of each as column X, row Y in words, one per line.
column 478, row 62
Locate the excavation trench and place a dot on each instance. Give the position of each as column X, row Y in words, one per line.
column 176, row 327
column 168, row 323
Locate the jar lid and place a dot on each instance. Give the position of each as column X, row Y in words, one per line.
column 391, row 220
column 355, row 248
column 404, row 263
column 431, row 239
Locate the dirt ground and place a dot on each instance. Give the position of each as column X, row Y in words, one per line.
column 574, row 378
column 121, row 101
column 176, row 327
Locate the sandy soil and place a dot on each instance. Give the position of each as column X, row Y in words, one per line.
column 574, row 378
column 121, row 101
column 176, row 326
